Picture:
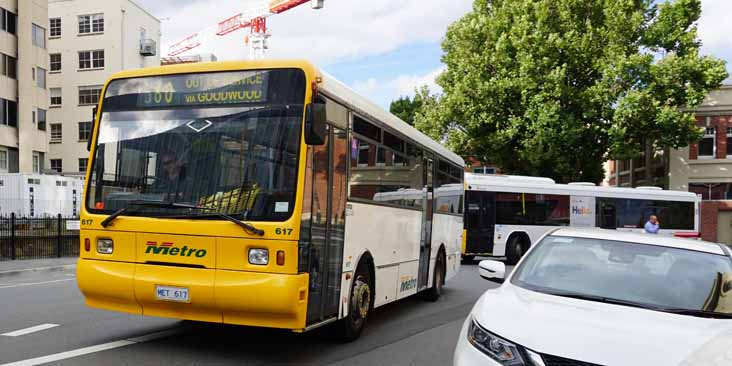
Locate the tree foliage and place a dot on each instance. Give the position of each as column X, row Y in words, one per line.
column 406, row 108
column 557, row 87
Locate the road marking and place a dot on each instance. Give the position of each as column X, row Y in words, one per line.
column 35, row 283
column 94, row 349
column 30, row 330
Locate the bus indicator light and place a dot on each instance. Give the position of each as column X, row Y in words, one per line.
column 87, row 244
column 280, row 258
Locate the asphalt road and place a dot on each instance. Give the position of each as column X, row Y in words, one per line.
column 66, row 332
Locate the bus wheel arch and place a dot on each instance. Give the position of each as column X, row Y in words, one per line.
column 516, row 246
column 361, row 298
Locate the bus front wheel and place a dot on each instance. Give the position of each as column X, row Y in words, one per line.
column 359, row 306
column 515, row 250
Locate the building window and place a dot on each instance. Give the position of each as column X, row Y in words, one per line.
column 55, row 62
column 8, row 21
column 41, row 119
column 708, row 144
column 82, row 164
column 54, row 27
column 89, row 95
column 91, row 59
column 8, row 113
column 484, row 170
column 55, row 96
column 36, row 162
column 39, row 36
column 712, row 191
column 84, row 131
column 8, row 66
column 729, row 142
column 4, row 161
column 41, row 77
column 56, row 132
column 92, row 23
column 56, row 164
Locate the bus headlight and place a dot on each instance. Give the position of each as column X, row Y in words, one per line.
column 105, row 246
column 259, row 257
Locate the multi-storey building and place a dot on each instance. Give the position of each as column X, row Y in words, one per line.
column 88, row 41
column 23, row 89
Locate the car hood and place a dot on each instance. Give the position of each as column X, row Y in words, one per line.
column 604, row 334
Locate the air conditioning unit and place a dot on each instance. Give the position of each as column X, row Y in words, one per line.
column 148, row 47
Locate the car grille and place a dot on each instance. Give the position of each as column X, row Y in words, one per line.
column 560, row 361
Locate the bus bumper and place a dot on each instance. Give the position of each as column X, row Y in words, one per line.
column 218, row 296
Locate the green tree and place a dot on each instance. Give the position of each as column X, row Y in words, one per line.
column 406, row 108
column 557, row 87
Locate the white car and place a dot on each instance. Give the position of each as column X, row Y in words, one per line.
column 596, row 297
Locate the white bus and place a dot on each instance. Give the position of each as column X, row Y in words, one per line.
column 505, row 215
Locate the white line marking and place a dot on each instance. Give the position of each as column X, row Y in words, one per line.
column 94, row 349
column 35, row 283
column 30, row 330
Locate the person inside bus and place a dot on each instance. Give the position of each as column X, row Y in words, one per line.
column 652, row 226
column 172, row 177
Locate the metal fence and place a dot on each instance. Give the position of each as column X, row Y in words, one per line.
column 35, row 238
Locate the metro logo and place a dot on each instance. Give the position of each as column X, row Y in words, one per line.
column 168, row 249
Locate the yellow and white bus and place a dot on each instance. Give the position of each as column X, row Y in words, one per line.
column 248, row 193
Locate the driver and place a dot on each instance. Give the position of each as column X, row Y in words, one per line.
column 172, row 178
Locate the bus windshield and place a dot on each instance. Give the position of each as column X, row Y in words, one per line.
column 225, row 142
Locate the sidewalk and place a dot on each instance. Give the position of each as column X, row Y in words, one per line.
column 14, row 267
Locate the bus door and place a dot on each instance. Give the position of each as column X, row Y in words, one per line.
column 608, row 215
column 327, row 165
column 480, row 222
column 425, row 243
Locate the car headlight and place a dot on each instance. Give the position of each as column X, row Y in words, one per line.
column 501, row 350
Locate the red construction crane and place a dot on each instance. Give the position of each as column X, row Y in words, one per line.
column 254, row 18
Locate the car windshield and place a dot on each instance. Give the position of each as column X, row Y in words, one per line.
column 228, row 142
column 657, row 276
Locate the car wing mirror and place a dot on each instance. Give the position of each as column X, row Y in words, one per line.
column 493, row 271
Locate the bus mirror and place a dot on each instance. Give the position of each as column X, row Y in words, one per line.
column 492, row 271
column 91, row 133
column 315, row 123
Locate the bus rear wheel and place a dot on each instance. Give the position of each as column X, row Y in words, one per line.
column 359, row 306
column 438, row 279
column 515, row 250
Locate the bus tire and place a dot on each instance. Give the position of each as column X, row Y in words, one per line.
column 438, row 278
column 515, row 250
column 360, row 305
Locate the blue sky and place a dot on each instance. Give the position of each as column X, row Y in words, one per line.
column 382, row 48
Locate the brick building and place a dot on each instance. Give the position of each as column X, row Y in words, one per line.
column 706, row 167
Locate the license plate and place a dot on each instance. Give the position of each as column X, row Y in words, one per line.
column 169, row 293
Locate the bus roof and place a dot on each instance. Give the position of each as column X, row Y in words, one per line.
column 330, row 86
column 365, row 107
column 536, row 185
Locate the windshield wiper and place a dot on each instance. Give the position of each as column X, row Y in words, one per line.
column 245, row 225
column 142, row 203
column 699, row 313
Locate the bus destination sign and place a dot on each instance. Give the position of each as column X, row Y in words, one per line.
column 204, row 89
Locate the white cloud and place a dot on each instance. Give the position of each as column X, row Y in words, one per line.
column 342, row 30
column 714, row 25
column 384, row 91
